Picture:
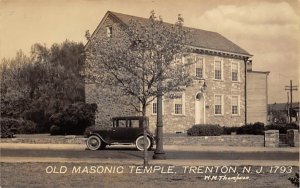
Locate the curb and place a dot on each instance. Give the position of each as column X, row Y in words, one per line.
column 166, row 147
column 173, row 162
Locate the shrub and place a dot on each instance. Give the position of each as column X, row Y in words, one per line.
column 253, row 129
column 276, row 127
column 229, row 130
column 282, row 127
column 14, row 108
column 205, row 130
column 89, row 129
column 8, row 127
column 27, row 127
column 292, row 126
column 21, row 126
column 39, row 117
column 55, row 130
column 56, row 119
column 75, row 118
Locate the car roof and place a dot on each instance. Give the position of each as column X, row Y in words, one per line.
column 130, row 118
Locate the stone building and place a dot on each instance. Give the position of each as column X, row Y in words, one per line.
column 217, row 96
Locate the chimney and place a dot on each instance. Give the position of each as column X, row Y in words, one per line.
column 249, row 65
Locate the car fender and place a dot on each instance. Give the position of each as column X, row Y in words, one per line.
column 97, row 134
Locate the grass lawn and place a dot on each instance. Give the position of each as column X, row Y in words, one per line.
column 34, row 175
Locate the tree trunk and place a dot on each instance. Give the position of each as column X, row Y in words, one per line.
column 145, row 136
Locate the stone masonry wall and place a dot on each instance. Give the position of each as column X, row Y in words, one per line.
column 224, row 140
column 110, row 102
column 109, row 106
column 225, row 87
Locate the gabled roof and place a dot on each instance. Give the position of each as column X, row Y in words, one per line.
column 200, row 39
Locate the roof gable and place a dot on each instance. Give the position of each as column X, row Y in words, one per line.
column 199, row 39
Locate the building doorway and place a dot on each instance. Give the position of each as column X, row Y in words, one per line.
column 199, row 108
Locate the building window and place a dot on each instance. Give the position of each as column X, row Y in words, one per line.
column 154, row 108
column 179, row 105
column 235, row 105
column 218, row 104
column 235, row 72
column 199, row 67
column 109, row 31
column 218, row 70
column 178, row 108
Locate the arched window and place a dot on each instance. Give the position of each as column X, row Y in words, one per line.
column 199, row 96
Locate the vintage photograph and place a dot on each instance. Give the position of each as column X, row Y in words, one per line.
column 149, row 93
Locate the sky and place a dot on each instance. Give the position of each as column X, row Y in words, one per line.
column 267, row 29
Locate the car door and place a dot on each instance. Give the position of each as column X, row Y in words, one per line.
column 134, row 130
column 119, row 131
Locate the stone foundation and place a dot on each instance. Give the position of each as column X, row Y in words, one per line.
column 174, row 139
column 224, row 140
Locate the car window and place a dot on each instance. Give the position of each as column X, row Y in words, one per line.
column 122, row 123
column 134, row 123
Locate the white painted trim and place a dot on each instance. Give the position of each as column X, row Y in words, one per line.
column 203, row 67
column 238, row 73
column 155, row 101
column 220, row 51
column 204, row 109
column 222, row 69
column 183, row 105
column 204, row 75
column 239, row 105
column 151, row 108
column 222, row 104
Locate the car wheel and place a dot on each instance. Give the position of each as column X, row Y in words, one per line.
column 94, row 142
column 139, row 143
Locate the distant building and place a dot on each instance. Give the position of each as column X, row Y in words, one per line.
column 257, row 95
column 234, row 93
column 279, row 113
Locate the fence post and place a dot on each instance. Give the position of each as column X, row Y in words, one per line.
column 272, row 138
column 293, row 137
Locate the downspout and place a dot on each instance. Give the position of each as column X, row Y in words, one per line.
column 245, row 89
column 267, row 94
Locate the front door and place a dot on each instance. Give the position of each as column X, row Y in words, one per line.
column 199, row 108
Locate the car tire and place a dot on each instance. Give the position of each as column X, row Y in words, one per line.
column 139, row 143
column 94, row 143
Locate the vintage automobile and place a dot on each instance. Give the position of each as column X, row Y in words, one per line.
column 124, row 130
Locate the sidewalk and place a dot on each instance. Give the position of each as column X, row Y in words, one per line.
column 135, row 161
column 166, row 147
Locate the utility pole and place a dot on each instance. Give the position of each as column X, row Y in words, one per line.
column 159, row 152
column 291, row 88
column 288, row 105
